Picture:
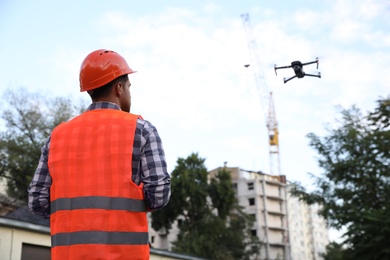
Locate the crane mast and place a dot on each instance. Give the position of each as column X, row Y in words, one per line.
column 273, row 137
column 266, row 98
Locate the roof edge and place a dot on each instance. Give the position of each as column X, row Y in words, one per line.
column 24, row 225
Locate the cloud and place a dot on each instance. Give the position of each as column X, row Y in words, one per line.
column 191, row 82
column 192, row 77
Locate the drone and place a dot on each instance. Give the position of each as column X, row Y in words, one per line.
column 297, row 67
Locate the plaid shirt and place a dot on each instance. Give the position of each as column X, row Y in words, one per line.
column 149, row 167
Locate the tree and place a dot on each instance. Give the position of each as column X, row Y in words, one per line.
column 212, row 224
column 334, row 251
column 29, row 119
column 354, row 189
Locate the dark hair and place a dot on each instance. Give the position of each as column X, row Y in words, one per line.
column 103, row 91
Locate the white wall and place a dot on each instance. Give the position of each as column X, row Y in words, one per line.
column 11, row 240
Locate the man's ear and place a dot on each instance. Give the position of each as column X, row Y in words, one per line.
column 118, row 89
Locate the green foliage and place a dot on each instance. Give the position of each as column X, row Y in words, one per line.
column 369, row 238
column 355, row 186
column 29, row 119
column 222, row 195
column 334, row 251
column 212, row 224
column 188, row 180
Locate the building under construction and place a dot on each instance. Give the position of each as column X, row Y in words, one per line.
column 286, row 227
column 264, row 197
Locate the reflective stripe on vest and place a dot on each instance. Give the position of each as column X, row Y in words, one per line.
column 99, row 237
column 98, row 202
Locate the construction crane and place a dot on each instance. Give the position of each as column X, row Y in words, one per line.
column 266, row 98
column 273, row 135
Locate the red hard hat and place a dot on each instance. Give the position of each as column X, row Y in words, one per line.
column 101, row 67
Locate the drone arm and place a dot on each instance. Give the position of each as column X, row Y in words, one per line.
column 286, row 80
column 311, row 62
column 312, row 75
column 283, row 67
column 307, row 63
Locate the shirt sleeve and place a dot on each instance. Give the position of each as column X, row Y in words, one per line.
column 39, row 189
column 154, row 175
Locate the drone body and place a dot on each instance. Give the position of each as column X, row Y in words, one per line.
column 297, row 66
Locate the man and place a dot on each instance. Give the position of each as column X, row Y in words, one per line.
column 100, row 172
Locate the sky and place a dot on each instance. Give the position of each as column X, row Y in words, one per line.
column 191, row 82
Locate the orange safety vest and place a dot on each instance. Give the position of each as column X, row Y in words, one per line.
column 97, row 211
